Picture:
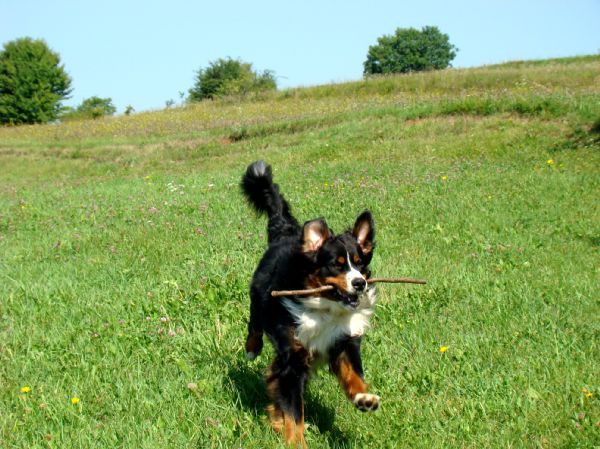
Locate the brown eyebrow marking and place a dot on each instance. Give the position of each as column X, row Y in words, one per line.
column 356, row 258
column 341, row 260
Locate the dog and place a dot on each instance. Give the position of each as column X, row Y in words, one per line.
column 308, row 331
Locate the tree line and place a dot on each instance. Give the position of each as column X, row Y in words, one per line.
column 34, row 83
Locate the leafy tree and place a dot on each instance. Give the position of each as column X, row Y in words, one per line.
column 230, row 77
column 265, row 81
column 32, row 82
column 95, row 107
column 410, row 50
column 90, row 108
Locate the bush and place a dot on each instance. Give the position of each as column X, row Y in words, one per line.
column 225, row 77
column 32, row 82
column 93, row 107
column 410, row 50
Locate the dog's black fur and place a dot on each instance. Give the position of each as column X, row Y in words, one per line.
column 303, row 331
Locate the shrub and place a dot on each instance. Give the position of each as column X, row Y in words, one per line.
column 93, row 107
column 410, row 50
column 225, row 77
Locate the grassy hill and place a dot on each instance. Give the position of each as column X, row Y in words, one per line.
column 126, row 252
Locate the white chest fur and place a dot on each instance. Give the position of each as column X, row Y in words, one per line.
column 321, row 322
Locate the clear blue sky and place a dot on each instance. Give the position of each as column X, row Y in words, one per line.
column 145, row 52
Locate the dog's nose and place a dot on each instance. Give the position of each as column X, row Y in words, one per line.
column 359, row 284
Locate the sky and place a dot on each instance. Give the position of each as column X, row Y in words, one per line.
column 144, row 53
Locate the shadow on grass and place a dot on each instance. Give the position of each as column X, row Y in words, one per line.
column 581, row 137
column 593, row 241
column 248, row 381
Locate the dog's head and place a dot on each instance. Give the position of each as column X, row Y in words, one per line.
column 341, row 260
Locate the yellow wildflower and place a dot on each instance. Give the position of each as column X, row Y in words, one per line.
column 25, row 389
column 444, row 178
column 550, row 162
column 75, row 400
column 443, row 349
column 587, row 393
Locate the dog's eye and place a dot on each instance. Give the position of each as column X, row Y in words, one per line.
column 356, row 259
column 341, row 261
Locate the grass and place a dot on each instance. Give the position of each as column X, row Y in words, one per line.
column 126, row 252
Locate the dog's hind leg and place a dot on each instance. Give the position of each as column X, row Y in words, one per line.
column 254, row 341
column 286, row 382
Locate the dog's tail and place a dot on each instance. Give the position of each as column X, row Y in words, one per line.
column 258, row 187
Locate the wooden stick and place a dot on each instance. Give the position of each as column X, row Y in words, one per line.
column 325, row 288
column 307, row 292
column 397, row 281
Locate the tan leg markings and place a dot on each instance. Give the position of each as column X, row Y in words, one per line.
column 356, row 388
column 293, row 432
column 351, row 382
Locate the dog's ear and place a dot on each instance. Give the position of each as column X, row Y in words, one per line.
column 364, row 231
column 314, row 234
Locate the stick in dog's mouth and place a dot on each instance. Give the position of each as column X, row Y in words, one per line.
column 326, row 288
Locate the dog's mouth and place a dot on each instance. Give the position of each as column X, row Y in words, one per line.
column 350, row 300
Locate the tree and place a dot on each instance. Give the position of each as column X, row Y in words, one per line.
column 95, row 107
column 90, row 108
column 410, row 50
column 32, row 82
column 230, row 77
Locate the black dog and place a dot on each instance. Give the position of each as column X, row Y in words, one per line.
column 305, row 331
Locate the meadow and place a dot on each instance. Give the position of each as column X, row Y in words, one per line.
column 126, row 252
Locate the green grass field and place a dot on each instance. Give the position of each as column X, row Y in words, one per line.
column 126, row 251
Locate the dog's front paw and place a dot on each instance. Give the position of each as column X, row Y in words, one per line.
column 366, row 402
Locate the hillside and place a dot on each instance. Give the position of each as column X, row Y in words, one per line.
column 126, row 253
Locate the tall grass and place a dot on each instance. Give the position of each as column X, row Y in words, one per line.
column 558, row 79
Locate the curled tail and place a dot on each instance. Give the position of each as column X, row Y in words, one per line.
column 258, row 187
